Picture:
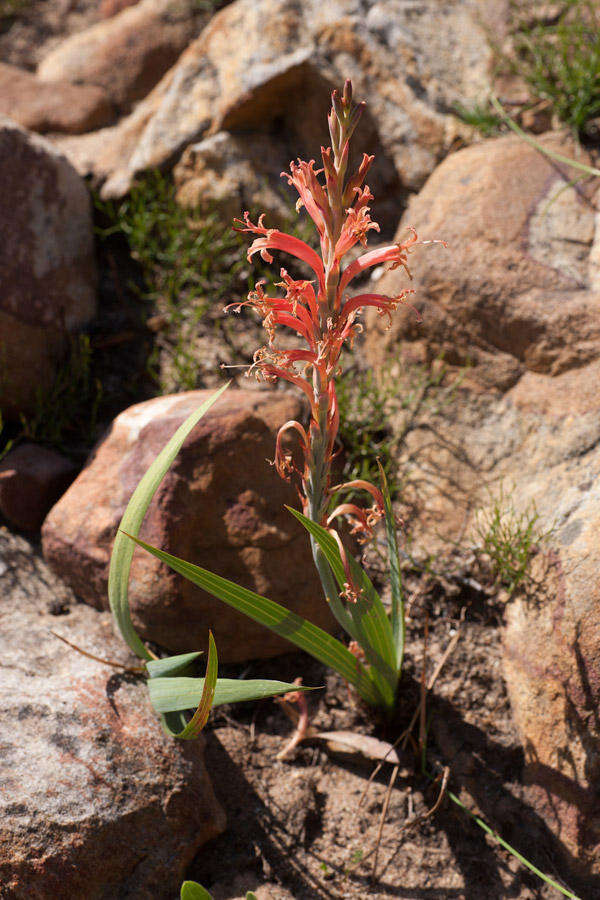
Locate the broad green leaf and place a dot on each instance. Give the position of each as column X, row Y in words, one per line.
column 176, row 694
column 193, row 728
column 191, row 890
column 171, row 665
column 250, row 895
column 122, row 554
column 371, row 624
column 397, row 616
column 282, row 621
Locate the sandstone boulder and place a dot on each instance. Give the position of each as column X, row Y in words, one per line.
column 514, row 302
column 230, row 173
column 516, row 288
column 126, row 54
column 95, row 801
column 32, row 478
column 221, row 506
column 269, row 65
column 56, row 107
column 47, row 263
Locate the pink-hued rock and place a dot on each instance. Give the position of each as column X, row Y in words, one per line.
column 47, row 262
column 221, row 506
column 95, row 800
column 32, row 478
column 126, row 54
column 56, row 107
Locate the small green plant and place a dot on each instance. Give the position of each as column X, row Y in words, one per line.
column 560, row 61
column 325, row 318
column 480, row 116
column 184, row 258
column 66, row 412
column 509, row 540
column 191, row 890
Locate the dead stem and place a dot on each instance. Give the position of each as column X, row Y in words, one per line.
column 136, row 670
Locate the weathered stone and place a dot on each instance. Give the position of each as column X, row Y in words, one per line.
column 221, row 506
column 47, row 263
column 95, row 801
column 516, row 293
column 126, row 54
column 32, row 478
column 511, row 284
column 231, row 173
column 269, row 66
column 56, row 107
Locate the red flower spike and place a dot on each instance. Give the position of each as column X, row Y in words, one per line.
column 323, row 317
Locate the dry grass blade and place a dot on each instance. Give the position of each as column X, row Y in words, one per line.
column 382, row 818
column 136, row 670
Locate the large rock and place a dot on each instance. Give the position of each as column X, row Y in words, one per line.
column 56, row 107
column 47, row 263
column 516, row 277
column 230, row 172
column 269, row 66
column 126, row 54
column 32, row 478
column 515, row 302
column 221, row 506
column 95, row 801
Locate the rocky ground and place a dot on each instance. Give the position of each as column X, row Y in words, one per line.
column 110, row 330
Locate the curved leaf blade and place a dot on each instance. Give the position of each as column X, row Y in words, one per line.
column 397, row 618
column 370, row 619
column 200, row 717
column 191, row 890
column 171, row 665
column 178, row 694
column 282, row 621
column 122, row 553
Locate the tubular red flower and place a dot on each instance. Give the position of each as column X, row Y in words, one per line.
column 397, row 254
column 311, row 193
column 382, row 302
column 272, row 239
column 351, row 591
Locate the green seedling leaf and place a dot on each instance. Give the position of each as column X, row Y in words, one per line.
column 370, row 622
column 122, row 554
column 282, row 621
column 177, row 694
column 397, row 616
column 193, row 728
column 191, row 890
column 171, row 665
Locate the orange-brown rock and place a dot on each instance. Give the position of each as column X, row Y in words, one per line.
column 127, row 54
column 95, row 801
column 57, row 107
column 110, row 8
column 47, row 262
column 221, row 506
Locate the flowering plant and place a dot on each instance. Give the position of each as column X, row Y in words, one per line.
column 324, row 312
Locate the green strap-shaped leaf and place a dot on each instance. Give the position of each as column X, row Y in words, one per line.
column 191, row 890
column 193, row 728
column 282, row 621
column 122, row 554
column 397, row 614
column 177, row 694
column 371, row 623
column 171, row 665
